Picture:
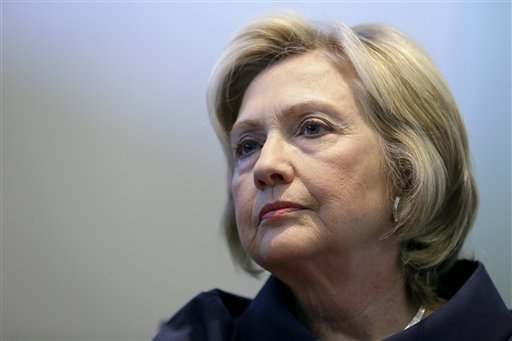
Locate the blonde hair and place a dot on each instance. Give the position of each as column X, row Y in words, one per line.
column 405, row 99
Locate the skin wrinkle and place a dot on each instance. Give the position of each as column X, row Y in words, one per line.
column 418, row 165
column 332, row 254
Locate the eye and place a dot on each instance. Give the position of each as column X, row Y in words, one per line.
column 312, row 127
column 246, row 147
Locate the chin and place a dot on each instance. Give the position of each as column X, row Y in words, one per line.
column 282, row 246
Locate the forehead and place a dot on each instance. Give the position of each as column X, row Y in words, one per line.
column 305, row 78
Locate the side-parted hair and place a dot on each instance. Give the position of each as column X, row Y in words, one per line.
column 405, row 99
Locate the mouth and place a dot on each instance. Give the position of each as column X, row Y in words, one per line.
column 278, row 209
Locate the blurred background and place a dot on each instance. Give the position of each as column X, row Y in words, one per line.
column 113, row 183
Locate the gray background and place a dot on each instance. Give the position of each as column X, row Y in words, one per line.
column 113, row 182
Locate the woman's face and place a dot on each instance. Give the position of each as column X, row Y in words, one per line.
column 308, row 178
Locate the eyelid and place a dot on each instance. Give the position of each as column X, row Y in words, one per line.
column 244, row 136
column 243, row 139
column 242, row 128
column 314, row 118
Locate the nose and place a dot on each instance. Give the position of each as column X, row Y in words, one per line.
column 274, row 165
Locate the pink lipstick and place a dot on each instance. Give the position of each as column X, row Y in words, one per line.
column 278, row 208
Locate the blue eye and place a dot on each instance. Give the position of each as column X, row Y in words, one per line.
column 246, row 148
column 312, row 128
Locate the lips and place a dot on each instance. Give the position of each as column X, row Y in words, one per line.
column 278, row 208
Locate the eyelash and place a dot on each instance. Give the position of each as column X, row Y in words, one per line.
column 310, row 121
column 244, row 141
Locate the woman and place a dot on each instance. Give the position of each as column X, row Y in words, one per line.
column 350, row 184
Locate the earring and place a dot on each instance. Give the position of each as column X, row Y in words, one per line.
column 395, row 209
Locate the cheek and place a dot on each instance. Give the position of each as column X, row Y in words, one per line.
column 242, row 199
column 333, row 176
column 350, row 181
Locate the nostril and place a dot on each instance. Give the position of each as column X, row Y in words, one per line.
column 271, row 180
column 260, row 184
column 273, row 166
column 277, row 177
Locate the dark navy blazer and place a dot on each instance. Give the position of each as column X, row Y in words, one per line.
column 474, row 311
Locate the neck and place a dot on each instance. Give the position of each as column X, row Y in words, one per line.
column 345, row 301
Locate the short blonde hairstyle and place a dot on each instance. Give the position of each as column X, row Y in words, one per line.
column 405, row 99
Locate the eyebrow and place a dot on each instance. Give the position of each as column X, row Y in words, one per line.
column 246, row 125
column 306, row 106
column 301, row 107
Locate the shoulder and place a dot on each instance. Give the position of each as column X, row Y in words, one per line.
column 474, row 303
column 218, row 315
column 474, row 309
column 208, row 316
